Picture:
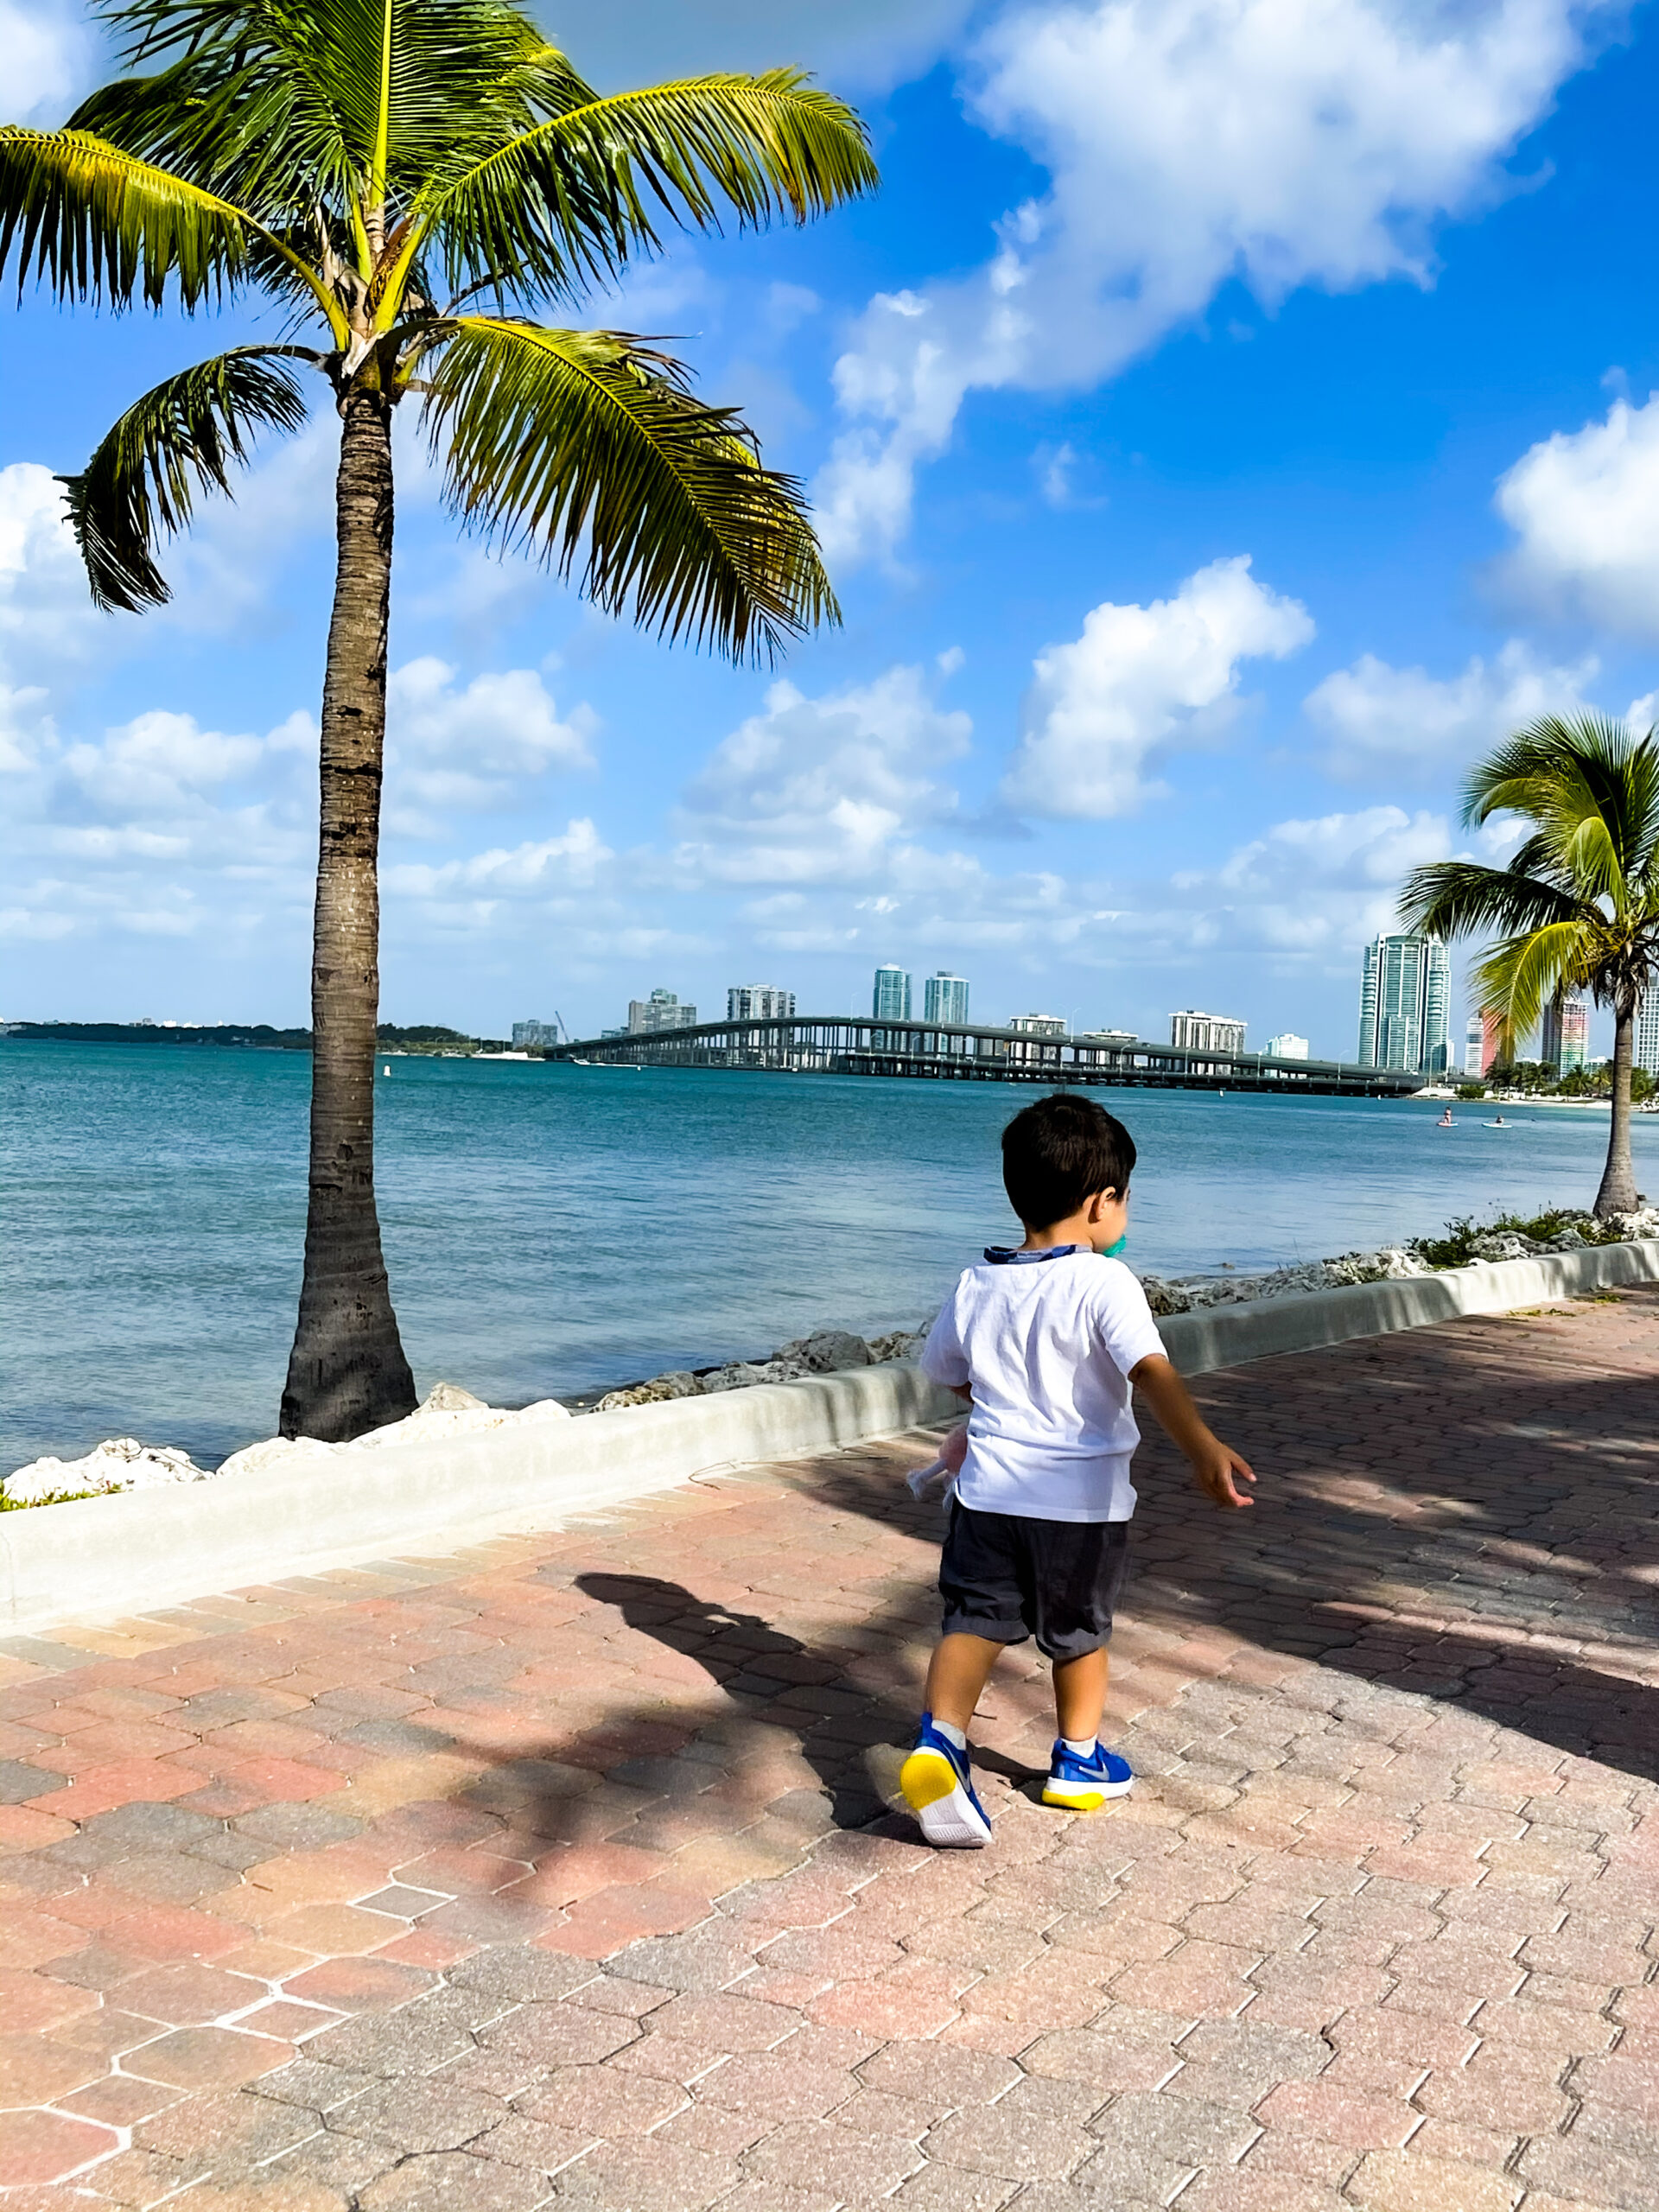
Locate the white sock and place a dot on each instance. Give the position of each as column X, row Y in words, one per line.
column 1082, row 1748
column 952, row 1734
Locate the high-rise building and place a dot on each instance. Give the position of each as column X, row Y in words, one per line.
column 944, row 998
column 528, row 1035
column 1038, row 1025
column 1287, row 1045
column 1647, row 1031
column 1205, row 1032
column 662, row 1010
column 891, row 999
column 1474, row 1045
column 1491, row 1042
column 758, row 1002
column 1405, row 1005
column 1565, row 1034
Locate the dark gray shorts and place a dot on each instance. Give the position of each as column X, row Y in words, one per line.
column 1006, row 1577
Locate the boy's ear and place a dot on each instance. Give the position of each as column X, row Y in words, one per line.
column 1100, row 1201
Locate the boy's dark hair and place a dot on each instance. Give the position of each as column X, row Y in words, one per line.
column 1060, row 1151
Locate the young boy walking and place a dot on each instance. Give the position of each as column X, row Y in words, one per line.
column 1044, row 1341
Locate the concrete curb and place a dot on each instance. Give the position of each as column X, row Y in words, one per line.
column 139, row 1549
column 135, row 1552
column 1228, row 1336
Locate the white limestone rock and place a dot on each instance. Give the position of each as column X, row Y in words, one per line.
column 745, row 1374
column 678, row 1384
column 898, row 1343
column 827, row 1352
column 446, row 1411
column 1506, row 1245
column 119, row 1463
column 273, row 1452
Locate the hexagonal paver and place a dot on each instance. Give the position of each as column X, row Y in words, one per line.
column 37, row 2147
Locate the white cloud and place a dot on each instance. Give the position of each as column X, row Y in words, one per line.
column 1139, row 681
column 819, row 789
column 1187, row 142
column 1584, row 506
column 48, row 53
column 551, row 867
column 47, row 616
column 1405, row 724
column 1309, row 890
column 448, row 747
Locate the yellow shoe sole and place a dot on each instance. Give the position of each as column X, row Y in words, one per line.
column 924, row 1778
column 947, row 1816
column 1081, row 1800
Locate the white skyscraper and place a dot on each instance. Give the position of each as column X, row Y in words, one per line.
column 1206, row 1033
column 1404, row 1005
column 662, row 1010
column 1647, row 1031
column 944, row 998
column 758, row 1002
column 891, row 1000
column 1287, row 1045
column 1474, row 1045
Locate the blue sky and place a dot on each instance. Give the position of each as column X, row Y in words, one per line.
column 1231, row 417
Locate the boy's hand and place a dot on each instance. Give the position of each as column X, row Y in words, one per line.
column 1218, row 1470
column 1217, row 1467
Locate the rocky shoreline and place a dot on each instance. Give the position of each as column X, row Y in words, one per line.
column 123, row 1463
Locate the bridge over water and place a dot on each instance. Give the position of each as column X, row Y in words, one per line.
column 944, row 1052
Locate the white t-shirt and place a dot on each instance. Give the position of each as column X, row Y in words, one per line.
column 1047, row 1345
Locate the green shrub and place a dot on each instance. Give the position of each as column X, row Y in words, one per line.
column 1456, row 1247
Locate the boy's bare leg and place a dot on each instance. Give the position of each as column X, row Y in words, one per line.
column 1080, row 1696
column 958, row 1672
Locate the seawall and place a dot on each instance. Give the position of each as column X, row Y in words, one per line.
column 139, row 1550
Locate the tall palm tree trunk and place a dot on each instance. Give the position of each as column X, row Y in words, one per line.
column 1617, row 1192
column 348, row 1372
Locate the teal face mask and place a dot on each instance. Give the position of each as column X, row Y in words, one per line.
column 1112, row 1250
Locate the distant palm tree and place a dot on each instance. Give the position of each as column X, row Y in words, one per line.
column 1577, row 909
column 360, row 161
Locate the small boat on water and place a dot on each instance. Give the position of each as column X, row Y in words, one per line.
column 1500, row 1123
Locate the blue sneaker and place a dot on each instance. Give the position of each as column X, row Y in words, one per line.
column 1084, row 1785
column 938, row 1784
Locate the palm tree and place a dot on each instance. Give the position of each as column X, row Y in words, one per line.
column 1577, row 908
column 416, row 179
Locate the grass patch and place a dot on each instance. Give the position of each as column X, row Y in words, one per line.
column 9, row 1504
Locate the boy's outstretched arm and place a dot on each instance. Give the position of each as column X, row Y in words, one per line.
column 1217, row 1466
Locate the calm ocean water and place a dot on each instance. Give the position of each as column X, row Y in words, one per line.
column 549, row 1229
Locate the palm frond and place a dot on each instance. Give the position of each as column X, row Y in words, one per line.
column 288, row 104
column 100, row 223
column 1454, row 898
column 588, row 188
column 181, row 437
column 587, row 447
column 1591, row 788
column 1519, row 976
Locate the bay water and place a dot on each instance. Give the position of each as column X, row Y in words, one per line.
column 552, row 1229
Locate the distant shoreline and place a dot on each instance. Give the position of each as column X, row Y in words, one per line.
column 422, row 1040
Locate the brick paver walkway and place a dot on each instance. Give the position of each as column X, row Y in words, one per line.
column 557, row 1872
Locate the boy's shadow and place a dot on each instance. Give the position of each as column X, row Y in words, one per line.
column 855, row 1746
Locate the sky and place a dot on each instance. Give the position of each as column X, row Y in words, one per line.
column 1230, row 418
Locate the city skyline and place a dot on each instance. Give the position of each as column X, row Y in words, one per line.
column 1126, row 713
